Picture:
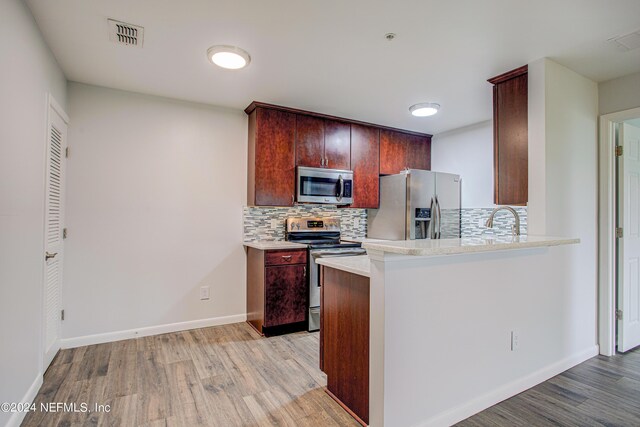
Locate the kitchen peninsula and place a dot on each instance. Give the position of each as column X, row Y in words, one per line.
column 456, row 325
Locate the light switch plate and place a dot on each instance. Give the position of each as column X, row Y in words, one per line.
column 204, row 292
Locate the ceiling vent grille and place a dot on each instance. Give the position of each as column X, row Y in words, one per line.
column 126, row 34
column 628, row 41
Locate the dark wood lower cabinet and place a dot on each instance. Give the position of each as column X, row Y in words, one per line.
column 344, row 339
column 285, row 295
column 277, row 291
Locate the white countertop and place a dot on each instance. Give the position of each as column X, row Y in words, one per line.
column 266, row 245
column 359, row 264
column 432, row 247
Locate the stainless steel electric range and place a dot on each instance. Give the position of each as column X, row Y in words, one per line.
column 322, row 235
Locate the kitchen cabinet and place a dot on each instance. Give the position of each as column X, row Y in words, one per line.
column 281, row 138
column 277, row 290
column 365, row 163
column 309, row 141
column 510, row 137
column 271, row 168
column 322, row 143
column 400, row 150
column 344, row 339
column 337, row 144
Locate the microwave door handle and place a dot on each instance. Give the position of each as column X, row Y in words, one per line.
column 341, row 181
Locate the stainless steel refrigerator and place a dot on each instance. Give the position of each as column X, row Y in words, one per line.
column 416, row 204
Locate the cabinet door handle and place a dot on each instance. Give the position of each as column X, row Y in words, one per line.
column 326, row 161
column 292, row 199
column 321, row 161
column 286, row 257
column 304, row 270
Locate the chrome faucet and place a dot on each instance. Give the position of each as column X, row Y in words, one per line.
column 515, row 229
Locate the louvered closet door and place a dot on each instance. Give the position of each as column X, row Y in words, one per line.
column 54, row 220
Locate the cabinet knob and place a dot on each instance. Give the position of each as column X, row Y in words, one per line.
column 286, row 257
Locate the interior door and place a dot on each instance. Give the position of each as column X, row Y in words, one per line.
column 629, row 243
column 53, row 245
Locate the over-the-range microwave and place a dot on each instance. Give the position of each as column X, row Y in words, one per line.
column 318, row 185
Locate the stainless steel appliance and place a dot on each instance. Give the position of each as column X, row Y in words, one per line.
column 322, row 235
column 416, row 204
column 317, row 185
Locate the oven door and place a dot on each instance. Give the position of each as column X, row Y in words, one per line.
column 314, row 280
column 315, row 185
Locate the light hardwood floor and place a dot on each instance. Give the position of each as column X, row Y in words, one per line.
column 219, row 376
column 603, row 391
column 229, row 376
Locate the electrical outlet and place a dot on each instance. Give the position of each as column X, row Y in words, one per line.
column 356, row 222
column 515, row 340
column 204, row 292
column 481, row 223
column 274, row 224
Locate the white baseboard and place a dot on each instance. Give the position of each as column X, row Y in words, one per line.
column 483, row 402
column 150, row 330
column 17, row 417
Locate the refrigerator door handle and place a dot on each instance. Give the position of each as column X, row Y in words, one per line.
column 432, row 222
column 439, row 217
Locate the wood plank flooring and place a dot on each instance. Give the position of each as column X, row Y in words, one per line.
column 220, row 376
column 228, row 376
column 603, row 391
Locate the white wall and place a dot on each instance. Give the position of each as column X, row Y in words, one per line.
column 563, row 111
column 155, row 190
column 467, row 152
column 619, row 94
column 29, row 72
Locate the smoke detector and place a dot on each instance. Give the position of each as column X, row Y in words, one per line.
column 126, row 34
column 629, row 41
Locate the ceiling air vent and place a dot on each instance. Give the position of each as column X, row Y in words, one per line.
column 628, row 41
column 127, row 34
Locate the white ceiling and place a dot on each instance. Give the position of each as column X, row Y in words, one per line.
column 331, row 56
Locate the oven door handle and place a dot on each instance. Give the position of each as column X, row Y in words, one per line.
column 343, row 253
column 341, row 181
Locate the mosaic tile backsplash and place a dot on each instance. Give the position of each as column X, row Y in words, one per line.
column 258, row 221
column 473, row 220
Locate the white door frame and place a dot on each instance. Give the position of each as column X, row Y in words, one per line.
column 607, row 224
column 51, row 104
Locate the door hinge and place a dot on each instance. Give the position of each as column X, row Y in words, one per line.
column 619, row 314
column 619, row 232
column 62, row 315
column 67, row 151
column 619, row 150
column 64, row 233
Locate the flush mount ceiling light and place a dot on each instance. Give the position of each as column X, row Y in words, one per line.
column 229, row 57
column 424, row 109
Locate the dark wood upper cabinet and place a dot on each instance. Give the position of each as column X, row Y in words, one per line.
column 399, row 151
column 322, row 143
column 271, row 169
column 309, row 141
column 281, row 138
column 337, row 144
column 510, row 137
column 365, row 163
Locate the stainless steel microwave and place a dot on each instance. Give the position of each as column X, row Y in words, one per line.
column 317, row 185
